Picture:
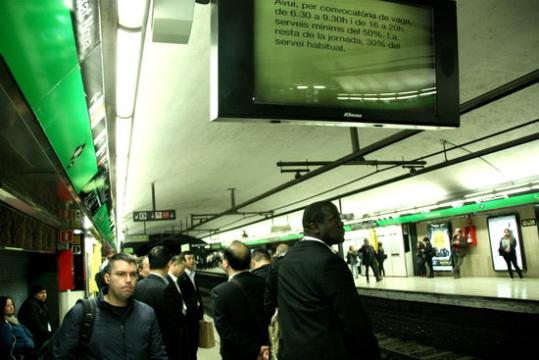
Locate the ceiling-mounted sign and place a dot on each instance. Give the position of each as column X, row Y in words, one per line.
column 156, row 215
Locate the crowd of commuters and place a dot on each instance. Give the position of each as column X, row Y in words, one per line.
column 150, row 308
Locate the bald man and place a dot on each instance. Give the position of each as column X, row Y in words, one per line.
column 239, row 307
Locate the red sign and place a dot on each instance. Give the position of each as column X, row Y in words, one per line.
column 66, row 236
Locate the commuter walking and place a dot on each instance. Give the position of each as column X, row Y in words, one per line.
column 381, row 257
column 238, row 307
column 35, row 315
column 507, row 249
column 458, row 252
column 16, row 341
column 369, row 260
column 320, row 313
column 123, row 328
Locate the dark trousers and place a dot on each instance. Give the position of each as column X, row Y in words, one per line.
column 382, row 270
column 430, row 270
column 374, row 270
column 512, row 258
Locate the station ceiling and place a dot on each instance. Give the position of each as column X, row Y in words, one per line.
column 193, row 162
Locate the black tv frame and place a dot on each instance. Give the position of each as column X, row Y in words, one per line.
column 232, row 75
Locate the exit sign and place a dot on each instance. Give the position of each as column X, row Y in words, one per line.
column 157, row 215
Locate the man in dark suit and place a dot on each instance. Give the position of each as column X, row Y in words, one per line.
column 177, row 324
column 320, row 313
column 239, row 307
column 157, row 291
column 261, row 263
column 195, row 311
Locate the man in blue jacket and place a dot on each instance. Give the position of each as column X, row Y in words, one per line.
column 124, row 328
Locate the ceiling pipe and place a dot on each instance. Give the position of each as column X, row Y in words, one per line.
column 354, row 162
column 493, row 149
column 475, row 103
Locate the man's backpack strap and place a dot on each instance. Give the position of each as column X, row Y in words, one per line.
column 87, row 324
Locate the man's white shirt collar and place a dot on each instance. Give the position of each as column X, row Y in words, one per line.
column 311, row 238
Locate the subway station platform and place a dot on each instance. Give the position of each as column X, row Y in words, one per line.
column 505, row 294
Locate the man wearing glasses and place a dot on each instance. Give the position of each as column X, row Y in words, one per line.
column 123, row 328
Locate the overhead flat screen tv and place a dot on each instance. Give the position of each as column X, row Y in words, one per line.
column 336, row 62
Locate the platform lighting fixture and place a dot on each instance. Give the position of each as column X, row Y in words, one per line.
column 129, row 46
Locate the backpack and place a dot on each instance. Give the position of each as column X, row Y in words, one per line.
column 46, row 351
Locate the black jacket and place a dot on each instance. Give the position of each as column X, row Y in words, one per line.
column 195, row 313
column 321, row 315
column 34, row 315
column 263, row 271
column 242, row 332
column 166, row 301
column 134, row 335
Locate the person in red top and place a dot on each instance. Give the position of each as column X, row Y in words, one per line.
column 458, row 251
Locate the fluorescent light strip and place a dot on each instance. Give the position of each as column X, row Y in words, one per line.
column 127, row 67
column 131, row 13
column 428, row 93
column 123, row 136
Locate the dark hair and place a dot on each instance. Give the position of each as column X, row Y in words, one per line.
column 187, row 252
column 315, row 213
column 3, row 302
column 260, row 254
column 238, row 255
column 426, row 238
column 159, row 256
column 34, row 289
column 119, row 257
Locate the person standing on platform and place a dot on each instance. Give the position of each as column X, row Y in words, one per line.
column 261, row 263
column 176, row 323
column 35, row 315
column 369, row 259
column 123, row 328
column 381, row 257
column 458, row 252
column 238, row 307
column 143, row 266
column 195, row 311
column 429, row 254
column 420, row 256
column 320, row 313
column 351, row 260
column 508, row 245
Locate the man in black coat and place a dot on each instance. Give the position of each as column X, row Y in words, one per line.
column 195, row 311
column 35, row 315
column 261, row 263
column 320, row 313
column 239, row 307
column 157, row 291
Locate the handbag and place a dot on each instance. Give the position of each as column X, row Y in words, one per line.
column 206, row 334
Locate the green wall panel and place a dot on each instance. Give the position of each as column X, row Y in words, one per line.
column 64, row 117
column 38, row 43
